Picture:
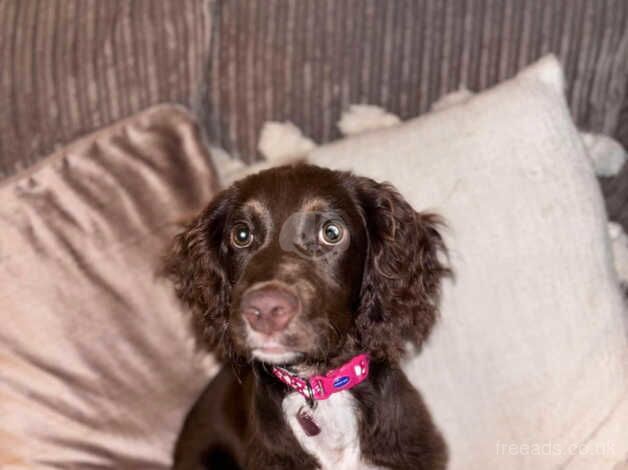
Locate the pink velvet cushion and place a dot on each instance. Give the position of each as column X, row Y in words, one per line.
column 97, row 363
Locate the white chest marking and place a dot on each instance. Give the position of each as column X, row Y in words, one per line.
column 337, row 446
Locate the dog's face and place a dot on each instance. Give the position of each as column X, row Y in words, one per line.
column 298, row 263
column 295, row 247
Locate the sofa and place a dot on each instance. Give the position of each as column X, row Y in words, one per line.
column 100, row 363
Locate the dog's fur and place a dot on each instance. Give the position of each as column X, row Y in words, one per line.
column 374, row 292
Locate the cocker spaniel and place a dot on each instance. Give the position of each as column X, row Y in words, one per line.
column 308, row 284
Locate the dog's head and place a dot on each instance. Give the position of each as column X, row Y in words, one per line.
column 297, row 264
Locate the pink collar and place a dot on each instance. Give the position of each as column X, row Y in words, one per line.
column 320, row 387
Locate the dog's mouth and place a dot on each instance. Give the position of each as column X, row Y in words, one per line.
column 275, row 353
column 272, row 350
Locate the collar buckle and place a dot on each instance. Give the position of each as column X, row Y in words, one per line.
column 310, row 395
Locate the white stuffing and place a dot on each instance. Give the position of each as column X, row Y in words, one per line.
column 223, row 161
column 282, row 140
column 361, row 118
column 619, row 244
column 459, row 96
column 607, row 155
column 225, row 165
column 281, row 143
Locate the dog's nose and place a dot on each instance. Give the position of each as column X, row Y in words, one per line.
column 269, row 310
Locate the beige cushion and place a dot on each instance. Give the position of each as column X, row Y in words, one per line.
column 97, row 364
column 532, row 348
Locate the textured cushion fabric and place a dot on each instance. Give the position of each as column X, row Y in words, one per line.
column 305, row 62
column 98, row 365
column 528, row 367
column 69, row 67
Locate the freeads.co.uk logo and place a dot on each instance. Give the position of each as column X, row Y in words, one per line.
column 551, row 448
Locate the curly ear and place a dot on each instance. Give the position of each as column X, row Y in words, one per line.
column 403, row 272
column 193, row 264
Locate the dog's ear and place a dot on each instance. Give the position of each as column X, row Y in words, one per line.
column 404, row 268
column 194, row 263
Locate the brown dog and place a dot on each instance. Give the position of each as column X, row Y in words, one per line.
column 296, row 271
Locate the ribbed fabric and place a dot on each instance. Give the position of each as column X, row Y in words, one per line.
column 306, row 60
column 70, row 66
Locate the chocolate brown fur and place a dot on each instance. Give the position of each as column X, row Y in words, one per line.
column 376, row 294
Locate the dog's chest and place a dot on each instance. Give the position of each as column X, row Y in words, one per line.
column 337, row 445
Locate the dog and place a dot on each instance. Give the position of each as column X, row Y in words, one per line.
column 308, row 284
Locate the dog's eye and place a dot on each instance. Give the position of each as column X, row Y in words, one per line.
column 241, row 235
column 331, row 233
